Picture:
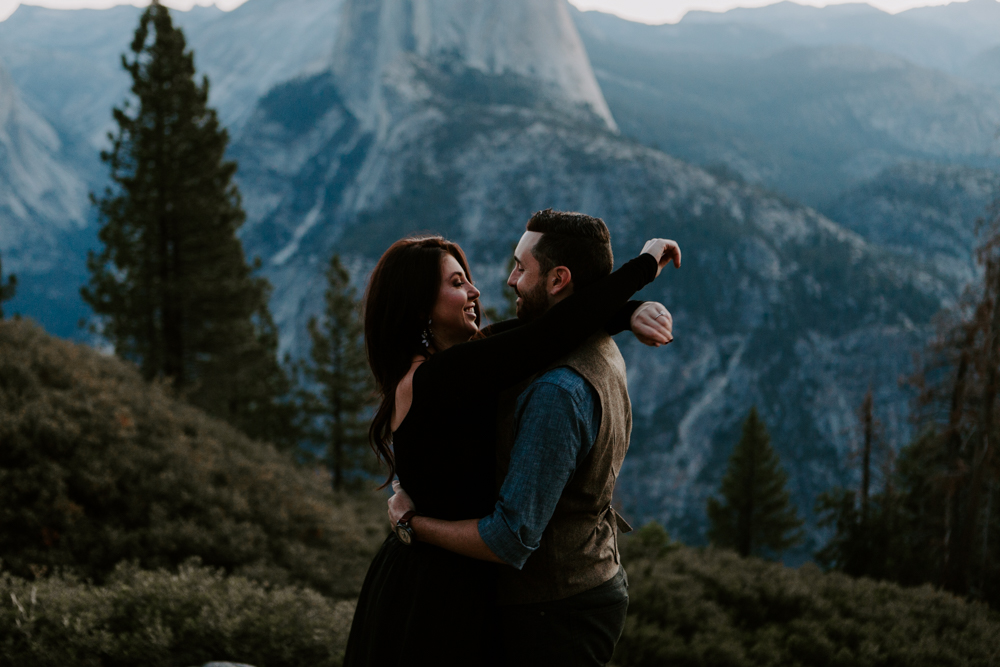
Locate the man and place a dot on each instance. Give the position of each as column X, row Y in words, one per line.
column 560, row 446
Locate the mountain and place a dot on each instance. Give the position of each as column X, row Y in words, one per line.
column 412, row 130
column 985, row 68
column 43, row 229
column 976, row 21
column 943, row 37
column 463, row 117
column 67, row 67
column 258, row 45
column 69, row 62
column 687, row 36
column 807, row 120
column 924, row 210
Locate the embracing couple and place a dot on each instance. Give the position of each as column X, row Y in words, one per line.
column 506, row 442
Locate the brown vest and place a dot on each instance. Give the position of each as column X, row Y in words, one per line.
column 579, row 548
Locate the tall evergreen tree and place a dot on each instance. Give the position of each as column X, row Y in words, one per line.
column 953, row 469
column 869, row 424
column 8, row 289
column 340, row 373
column 171, row 282
column 936, row 520
column 755, row 515
column 899, row 539
column 866, row 540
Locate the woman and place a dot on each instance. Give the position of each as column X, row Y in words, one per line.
column 421, row 604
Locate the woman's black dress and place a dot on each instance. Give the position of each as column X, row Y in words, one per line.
column 424, row 605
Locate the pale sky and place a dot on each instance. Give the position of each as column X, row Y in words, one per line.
column 647, row 11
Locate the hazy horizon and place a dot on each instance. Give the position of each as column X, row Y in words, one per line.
column 644, row 11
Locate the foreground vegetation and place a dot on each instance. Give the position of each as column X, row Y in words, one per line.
column 688, row 607
column 154, row 619
column 706, row 607
column 109, row 487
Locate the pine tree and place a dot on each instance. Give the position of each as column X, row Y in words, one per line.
column 869, row 424
column 171, row 283
column 959, row 473
column 866, row 540
column 8, row 290
column 936, row 519
column 755, row 516
column 339, row 370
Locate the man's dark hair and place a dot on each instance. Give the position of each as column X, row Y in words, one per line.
column 579, row 242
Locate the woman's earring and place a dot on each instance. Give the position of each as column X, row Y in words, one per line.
column 426, row 336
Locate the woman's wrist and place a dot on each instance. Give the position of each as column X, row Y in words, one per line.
column 647, row 266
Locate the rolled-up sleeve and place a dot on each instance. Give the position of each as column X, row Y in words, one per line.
column 556, row 421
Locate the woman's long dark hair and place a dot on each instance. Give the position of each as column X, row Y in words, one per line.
column 398, row 302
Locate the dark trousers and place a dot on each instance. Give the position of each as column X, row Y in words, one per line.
column 577, row 631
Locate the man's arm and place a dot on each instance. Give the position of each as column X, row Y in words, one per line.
column 462, row 537
column 557, row 425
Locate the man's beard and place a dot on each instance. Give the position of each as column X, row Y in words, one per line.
column 533, row 303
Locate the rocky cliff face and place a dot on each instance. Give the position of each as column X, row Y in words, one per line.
column 260, row 44
column 68, row 63
column 42, row 210
column 39, row 195
column 381, row 42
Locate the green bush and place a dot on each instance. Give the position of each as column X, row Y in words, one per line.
column 168, row 619
column 99, row 467
column 704, row 607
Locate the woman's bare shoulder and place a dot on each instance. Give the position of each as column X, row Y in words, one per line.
column 404, row 393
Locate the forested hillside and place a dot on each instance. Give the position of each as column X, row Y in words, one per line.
column 928, row 211
column 98, row 467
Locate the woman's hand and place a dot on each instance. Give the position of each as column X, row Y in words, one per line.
column 399, row 503
column 664, row 251
column 652, row 324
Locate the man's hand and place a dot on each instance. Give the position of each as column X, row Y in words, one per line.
column 652, row 324
column 462, row 537
column 665, row 251
column 399, row 504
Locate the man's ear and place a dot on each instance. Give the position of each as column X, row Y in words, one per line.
column 559, row 279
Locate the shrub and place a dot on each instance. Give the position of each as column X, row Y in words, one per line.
column 98, row 467
column 159, row 618
column 705, row 607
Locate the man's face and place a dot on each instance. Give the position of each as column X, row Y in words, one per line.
column 528, row 280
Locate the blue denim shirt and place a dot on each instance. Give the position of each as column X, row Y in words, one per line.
column 556, row 422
